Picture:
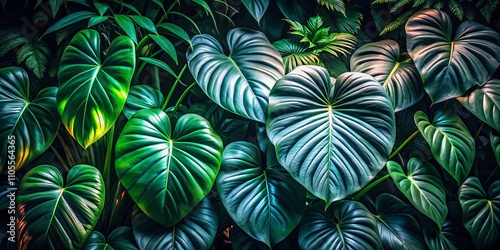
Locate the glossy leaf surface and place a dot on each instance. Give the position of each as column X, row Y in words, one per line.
column 121, row 238
column 495, row 144
column 257, row 8
column 484, row 103
column 142, row 97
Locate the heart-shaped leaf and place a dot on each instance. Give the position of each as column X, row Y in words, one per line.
column 481, row 212
column 345, row 225
column 449, row 66
column 28, row 126
column 241, row 81
column 196, row 231
column 397, row 73
column 332, row 136
column 484, row 103
column 451, row 143
column 495, row 144
column 397, row 228
column 443, row 239
column 92, row 93
column 422, row 186
column 55, row 213
column 257, row 8
column 121, row 238
column 167, row 171
column 142, row 97
column 261, row 197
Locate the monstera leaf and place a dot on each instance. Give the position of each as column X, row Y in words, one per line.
column 484, row 103
column 28, row 126
column 422, row 186
column 396, row 227
column 261, row 197
column 451, row 143
column 92, row 92
column 167, row 170
column 55, row 213
column 241, row 81
column 449, row 66
column 384, row 61
column 196, row 231
column 121, row 238
column 257, row 8
column 345, row 225
column 142, row 97
column 481, row 212
column 333, row 136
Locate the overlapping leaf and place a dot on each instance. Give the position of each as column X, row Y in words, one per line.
column 92, row 92
column 332, row 136
column 495, row 144
column 449, row 66
column 167, row 170
column 28, row 125
column 484, row 103
column 451, row 143
column 142, row 97
column 422, row 186
column 383, row 60
column 257, row 8
column 240, row 82
column 55, row 213
column 121, row 238
column 260, row 196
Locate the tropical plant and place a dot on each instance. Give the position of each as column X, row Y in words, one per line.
column 159, row 134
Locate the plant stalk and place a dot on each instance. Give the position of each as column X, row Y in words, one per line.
column 369, row 187
column 171, row 92
column 404, row 144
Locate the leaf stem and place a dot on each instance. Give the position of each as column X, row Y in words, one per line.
column 59, row 157
column 69, row 155
column 404, row 144
column 186, row 91
column 369, row 187
column 171, row 92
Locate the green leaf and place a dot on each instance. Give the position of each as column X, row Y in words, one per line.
column 484, row 103
column 96, row 20
column 92, row 93
column 28, row 126
column 165, row 45
column 260, row 196
column 345, row 225
column 257, row 8
column 167, row 170
column 196, row 231
column 495, row 144
column 481, row 212
column 400, row 78
column 101, row 7
column 242, row 241
column 55, row 213
column 121, row 238
column 160, row 64
column 450, row 66
column 178, row 31
column 296, row 10
column 337, row 5
column 397, row 228
column 422, row 186
column 142, row 97
column 295, row 54
column 127, row 25
column 69, row 19
column 241, row 81
column 450, row 141
column 442, row 239
column 144, row 22
column 54, row 6
column 333, row 136
column 35, row 55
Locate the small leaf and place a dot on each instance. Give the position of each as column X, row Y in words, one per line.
column 127, row 25
column 345, row 225
column 337, row 5
column 481, row 212
column 96, row 20
column 451, row 143
column 121, row 238
column 257, row 8
column 101, row 7
column 142, row 97
column 54, row 6
column 495, row 144
column 165, row 45
column 422, row 186
column 159, row 63
column 484, row 103
column 144, row 22
column 176, row 30
column 70, row 19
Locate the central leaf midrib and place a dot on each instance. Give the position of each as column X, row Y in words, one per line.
column 393, row 71
column 169, row 161
column 330, row 131
column 53, row 214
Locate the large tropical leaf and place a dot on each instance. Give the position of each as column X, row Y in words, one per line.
column 449, row 66
column 242, row 241
column 121, row 238
column 384, row 61
column 481, row 212
column 28, row 126
column 345, row 225
column 443, row 239
column 196, row 231
column 241, row 81
column 55, row 213
column 422, row 186
column 451, row 143
column 142, row 97
column 397, row 228
column 260, row 196
column 257, row 8
column 167, row 170
column 333, row 136
column 484, row 103
column 92, row 92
